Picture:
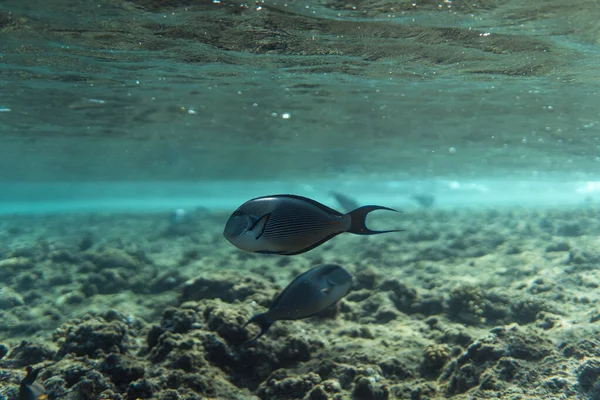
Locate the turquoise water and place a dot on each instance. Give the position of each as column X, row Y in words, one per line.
column 112, row 91
column 130, row 130
column 222, row 196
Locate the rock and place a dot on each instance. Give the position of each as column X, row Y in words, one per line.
column 94, row 385
column 587, row 375
column 227, row 288
column 526, row 310
column 401, row 295
column 385, row 314
column 113, row 258
column 435, row 356
column 424, row 236
column 366, row 279
column 142, row 389
column 120, row 371
column 179, row 320
column 15, row 264
column 280, row 386
column 9, row 298
column 64, row 256
column 396, row 369
column 589, row 347
column 558, row 246
column 92, row 337
column 74, row 297
column 28, row 353
column 226, row 320
column 366, row 388
column 569, row 229
column 495, row 359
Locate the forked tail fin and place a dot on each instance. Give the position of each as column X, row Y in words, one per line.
column 358, row 217
column 264, row 324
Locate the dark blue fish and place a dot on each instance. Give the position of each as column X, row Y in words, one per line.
column 288, row 224
column 307, row 295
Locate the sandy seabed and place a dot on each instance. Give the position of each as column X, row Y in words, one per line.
column 468, row 304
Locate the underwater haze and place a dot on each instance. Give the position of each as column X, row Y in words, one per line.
column 132, row 130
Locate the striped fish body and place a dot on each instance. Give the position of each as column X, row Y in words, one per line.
column 284, row 224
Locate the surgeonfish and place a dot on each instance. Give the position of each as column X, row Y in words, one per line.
column 29, row 389
column 308, row 294
column 287, row 224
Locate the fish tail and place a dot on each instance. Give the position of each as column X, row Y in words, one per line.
column 263, row 322
column 358, row 224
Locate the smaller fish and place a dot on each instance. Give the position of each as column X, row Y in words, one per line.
column 308, row 294
column 286, row 224
column 424, row 200
column 29, row 389
column 347, row 203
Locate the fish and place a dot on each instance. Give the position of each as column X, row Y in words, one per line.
column 308, row 294
column 287, row 224
column 423, row 199
column 347, row 203
column 29, row 389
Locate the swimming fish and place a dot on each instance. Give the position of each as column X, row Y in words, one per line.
column 308, row 294
column 347, row 203
column 29, row 389
column 287, row 224
column 424, row 200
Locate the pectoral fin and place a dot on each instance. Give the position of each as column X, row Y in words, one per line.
column 259, row 226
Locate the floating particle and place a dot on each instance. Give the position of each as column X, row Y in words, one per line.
column 285, row 115
column 588, row 126
column 452, row 150
column 5, row 109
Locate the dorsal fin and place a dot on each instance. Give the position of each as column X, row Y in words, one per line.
column 305, row 199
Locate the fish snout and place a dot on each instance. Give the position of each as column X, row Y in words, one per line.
column 236, row 226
